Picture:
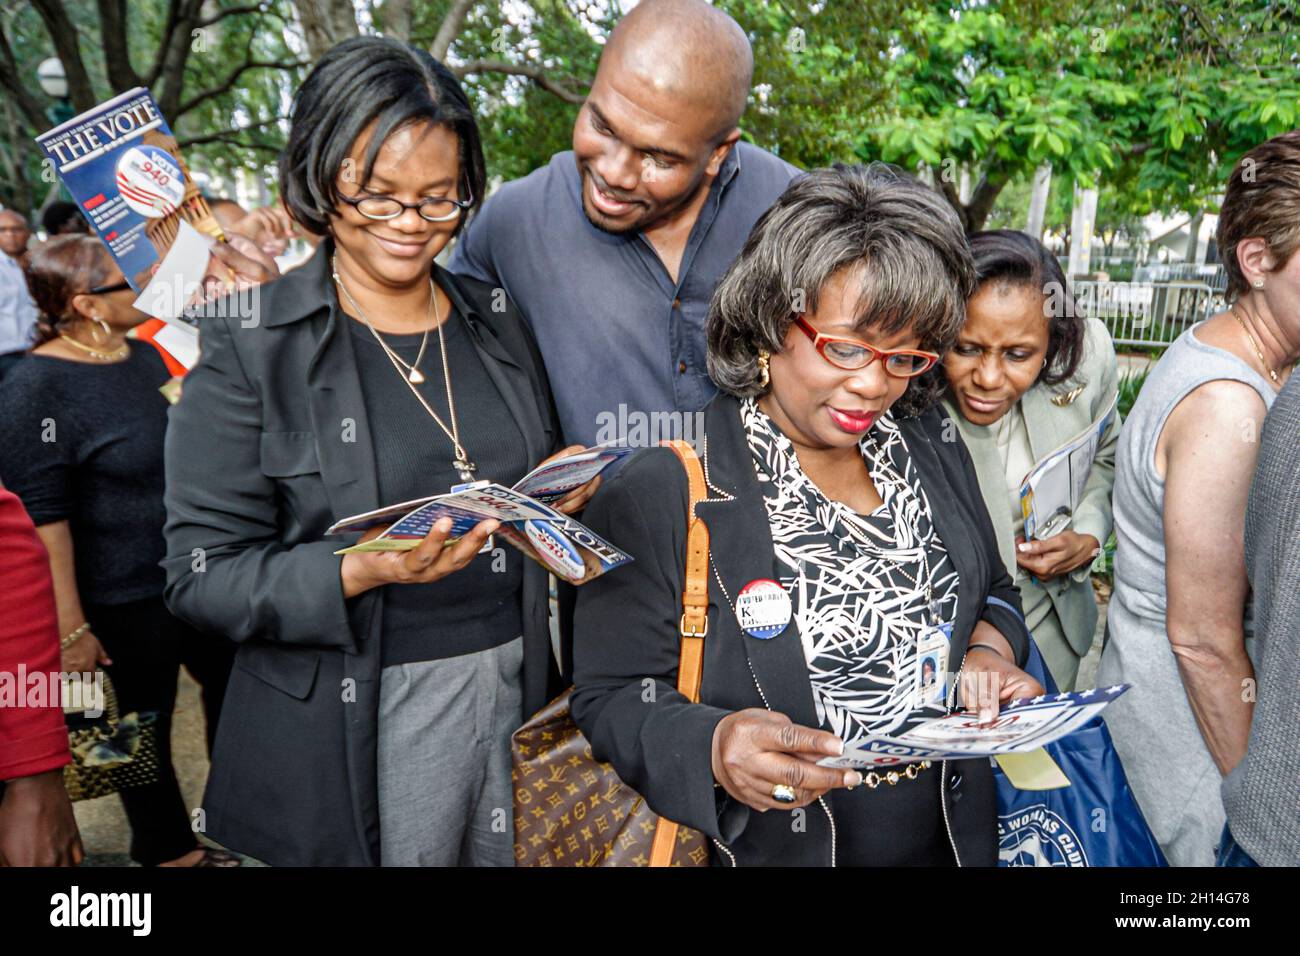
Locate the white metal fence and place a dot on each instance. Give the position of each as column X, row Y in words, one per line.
column 1149, row 313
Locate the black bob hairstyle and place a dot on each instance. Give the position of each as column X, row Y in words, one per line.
column 1014, row 259
column 360, row 81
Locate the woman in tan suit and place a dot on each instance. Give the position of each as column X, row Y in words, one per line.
column 1029, row 372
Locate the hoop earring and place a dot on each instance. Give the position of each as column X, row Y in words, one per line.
column 764, row 374
column 103, row 325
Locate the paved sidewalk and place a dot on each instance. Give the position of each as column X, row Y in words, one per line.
column 104, row 831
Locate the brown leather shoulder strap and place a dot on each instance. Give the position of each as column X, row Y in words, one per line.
column 695, row 618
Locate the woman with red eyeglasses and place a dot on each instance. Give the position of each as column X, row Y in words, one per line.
column 854, row 586
column 81, row 444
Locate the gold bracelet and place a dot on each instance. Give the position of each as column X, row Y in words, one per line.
column 893, row 777
column 74, row 636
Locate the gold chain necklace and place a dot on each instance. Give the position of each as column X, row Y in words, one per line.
column 116, row 355
column 1254, row 345
column 464, row 467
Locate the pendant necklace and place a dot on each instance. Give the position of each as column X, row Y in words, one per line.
column 1259, row 353
column 411, row 374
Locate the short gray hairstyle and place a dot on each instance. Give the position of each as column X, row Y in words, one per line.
column 917, row 271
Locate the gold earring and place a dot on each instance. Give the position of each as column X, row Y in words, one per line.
column 764, row 374
column 94, row 333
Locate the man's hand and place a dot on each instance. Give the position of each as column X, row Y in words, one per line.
column 238, row 263
column 575, row 500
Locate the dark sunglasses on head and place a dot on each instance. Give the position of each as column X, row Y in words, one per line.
column 104, row 289
column 851, row 355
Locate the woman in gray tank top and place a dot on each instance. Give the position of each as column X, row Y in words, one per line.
column 1179, row 617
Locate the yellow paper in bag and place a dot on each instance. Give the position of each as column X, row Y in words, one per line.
column 1035, row 770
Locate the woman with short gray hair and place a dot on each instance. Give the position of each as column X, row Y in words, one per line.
column 855, row 584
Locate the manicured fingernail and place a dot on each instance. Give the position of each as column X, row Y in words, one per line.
column 1022, row 548
column 852, row 779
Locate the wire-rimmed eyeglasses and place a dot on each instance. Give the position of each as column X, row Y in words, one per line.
column 430, row 209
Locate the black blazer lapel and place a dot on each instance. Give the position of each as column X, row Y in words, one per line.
column 338, row 414
column 741, row 552
column 953, row 526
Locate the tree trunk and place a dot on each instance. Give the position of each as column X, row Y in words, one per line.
column 1038, row 200
column 172, row 58
column 113, row 34
column 64, row 37
column 15, row 192
column 396, row 19
column 1082, row 220
column 975, row 213
column 449, row 28
column 325, row 23
column 1191, row 253
column 19, row 94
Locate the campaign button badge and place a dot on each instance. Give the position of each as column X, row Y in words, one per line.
column 763, row 609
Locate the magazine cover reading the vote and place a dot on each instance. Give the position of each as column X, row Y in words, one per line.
column 123, row 167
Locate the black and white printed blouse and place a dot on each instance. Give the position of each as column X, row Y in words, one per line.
column 858, row 583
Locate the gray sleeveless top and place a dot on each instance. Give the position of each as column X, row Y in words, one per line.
column 1166, row 760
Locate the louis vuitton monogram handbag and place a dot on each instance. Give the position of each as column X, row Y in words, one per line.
column 572, row 810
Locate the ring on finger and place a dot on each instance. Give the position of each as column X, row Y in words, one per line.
column 783, row 793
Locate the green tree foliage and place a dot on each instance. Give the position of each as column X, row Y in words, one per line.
column 1155, row 99
column 1160, row 97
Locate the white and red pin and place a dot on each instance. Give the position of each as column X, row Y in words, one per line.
column 763, row 609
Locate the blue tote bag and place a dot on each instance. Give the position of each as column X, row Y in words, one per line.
column 1087, row 815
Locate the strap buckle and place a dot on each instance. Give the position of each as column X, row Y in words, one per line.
column 693, row 633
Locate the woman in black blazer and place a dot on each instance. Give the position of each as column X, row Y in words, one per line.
column 374, row 694
column 846, row 527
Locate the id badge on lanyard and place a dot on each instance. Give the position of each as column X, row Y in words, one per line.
column 932, row 649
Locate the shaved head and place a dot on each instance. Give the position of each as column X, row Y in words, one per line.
column 689, row 50
column 662, row 114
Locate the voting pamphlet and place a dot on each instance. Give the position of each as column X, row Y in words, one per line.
column 564, row 546
column 1054, row 486
column 123, row 167
column 1021, row 726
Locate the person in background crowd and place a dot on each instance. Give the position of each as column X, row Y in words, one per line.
column 1186, row 457
column 1029, row 372
column 17, row 311
column 612, row 251
column 81, row 444
column 64, row 218
column 15, row 233
column 830, row 482
column 37, row 826
column 1260, row 794
column 371, row 708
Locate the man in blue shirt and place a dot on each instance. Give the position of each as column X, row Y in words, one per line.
column 17, row 311
column 612, row 250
